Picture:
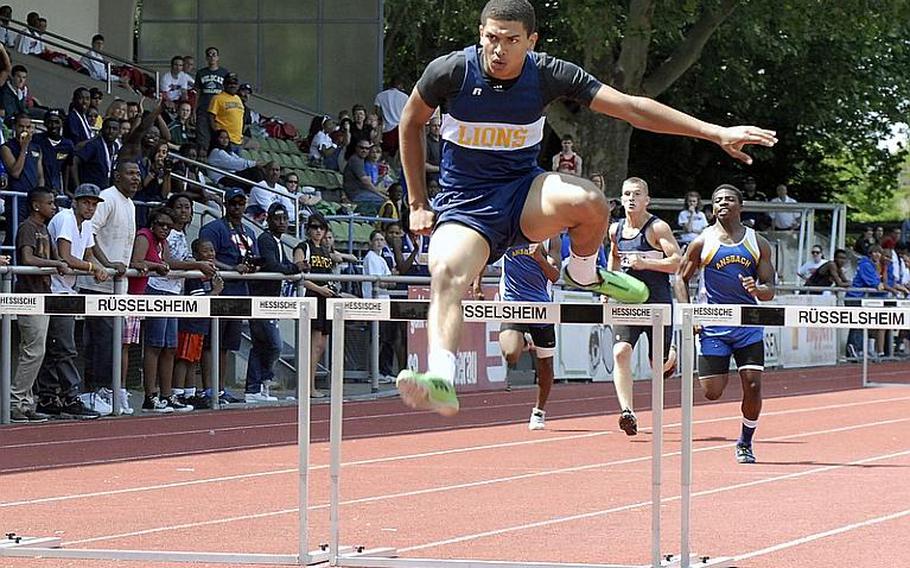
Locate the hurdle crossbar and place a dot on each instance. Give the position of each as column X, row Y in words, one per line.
column 656, row 316
column 118, row 306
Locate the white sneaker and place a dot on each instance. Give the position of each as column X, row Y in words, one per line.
column 538, row 417
column 94, row 401
column 266, row 390
column 258, row 397
column 124, row 401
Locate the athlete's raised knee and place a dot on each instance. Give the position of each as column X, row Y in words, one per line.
column 448, row 273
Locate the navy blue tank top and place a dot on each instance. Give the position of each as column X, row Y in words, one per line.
column 658, row 282
column 490, row 137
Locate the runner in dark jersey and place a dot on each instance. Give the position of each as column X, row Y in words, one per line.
column 492, row 193
column 642, row 246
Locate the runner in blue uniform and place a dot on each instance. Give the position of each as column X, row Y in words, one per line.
column 737, row 269
column 492, row 193
column 527, row 274
column 642, row 246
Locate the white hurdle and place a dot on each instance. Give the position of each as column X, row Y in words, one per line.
column 301, row 309
column 866, row 317
column 657, row 316
column 879, row 303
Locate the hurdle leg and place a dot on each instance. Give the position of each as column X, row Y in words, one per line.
column 6, row 356
column 303, row 432
column 865, row 357
column 657, row 420
column 337, row 385
column 688, row 348
column 117, row 354
column 215, row 363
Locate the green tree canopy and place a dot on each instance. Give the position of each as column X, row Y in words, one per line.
column 830, row 77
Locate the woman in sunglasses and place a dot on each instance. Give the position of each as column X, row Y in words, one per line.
column 313, row 251
column 808, row 268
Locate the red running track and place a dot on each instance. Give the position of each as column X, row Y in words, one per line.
column 831, row 488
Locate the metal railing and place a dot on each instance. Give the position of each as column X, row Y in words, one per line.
column 76, row 47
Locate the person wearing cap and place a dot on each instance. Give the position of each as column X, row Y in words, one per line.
column 59, row 380
column 226, row 110
column 265, row 335
column 252, row 120
column 209, row 82
column 235, row 250
column 56, row 152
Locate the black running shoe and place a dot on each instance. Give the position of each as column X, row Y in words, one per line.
column 628, row 423
column 744, row 454
column 74, row 408
column 50, row 406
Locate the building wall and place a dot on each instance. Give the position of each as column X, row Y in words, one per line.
column 321, row 54
column 75, row 19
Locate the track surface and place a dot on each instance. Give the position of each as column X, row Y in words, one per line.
column 831, row 487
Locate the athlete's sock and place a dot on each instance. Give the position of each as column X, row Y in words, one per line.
column 582, row 269
column 190, row 392
column 748, row 430
column 442, row 364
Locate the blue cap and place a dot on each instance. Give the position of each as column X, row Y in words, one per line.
column 233, row 193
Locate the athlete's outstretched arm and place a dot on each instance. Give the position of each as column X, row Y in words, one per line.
column 688, row 267
column 415, row 115
column 764, row 288
column 648, row 114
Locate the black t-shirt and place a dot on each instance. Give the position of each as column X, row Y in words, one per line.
column 443, row 78
column 208, row 84
column 319, row 259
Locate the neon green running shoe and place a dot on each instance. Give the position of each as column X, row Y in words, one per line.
column 617, row 285
column 424, row 391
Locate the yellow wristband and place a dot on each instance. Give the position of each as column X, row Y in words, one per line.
column 91, row 267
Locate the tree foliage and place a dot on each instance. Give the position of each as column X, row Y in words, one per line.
column 830, row 77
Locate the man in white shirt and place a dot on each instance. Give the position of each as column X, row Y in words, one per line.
column 389, row 105
column 114, row 229
column 93, row 62
column 59, row 382
column 269, row 191
column 784, row 220
column 175, row 83
column 30, row 43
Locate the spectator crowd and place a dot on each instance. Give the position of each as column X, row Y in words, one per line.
column 95, row 189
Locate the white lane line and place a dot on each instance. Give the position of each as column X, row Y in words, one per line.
column 642, row 504
column 467, row 485
column 420, row 455
column 824, row 534
column 357, row 418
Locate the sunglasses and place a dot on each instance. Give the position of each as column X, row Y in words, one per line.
column 364, row 147
column 317, row 227
column 816, row 252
